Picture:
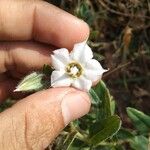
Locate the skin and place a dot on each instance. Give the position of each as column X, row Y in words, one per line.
column 29, row 31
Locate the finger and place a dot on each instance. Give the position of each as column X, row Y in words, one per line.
column 26, row 20
column 22, row 57
column 36, row 120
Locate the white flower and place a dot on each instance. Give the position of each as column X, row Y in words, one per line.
column 76, row 69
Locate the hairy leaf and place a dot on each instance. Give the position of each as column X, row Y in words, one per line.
column 107, row 128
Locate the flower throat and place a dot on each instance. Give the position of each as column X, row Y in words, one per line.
column 74, row 70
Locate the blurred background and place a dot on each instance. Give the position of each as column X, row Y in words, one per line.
column 120, row 39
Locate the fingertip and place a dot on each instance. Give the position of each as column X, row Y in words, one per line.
column 75, row 105
column 80, row 32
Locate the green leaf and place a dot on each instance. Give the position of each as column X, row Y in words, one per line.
column 94, row 97
column 112, row 106
column 140, row 120
column 107, row 128
column 139, row 143
column 124, row 134
column 104, row 95
column 32, row 82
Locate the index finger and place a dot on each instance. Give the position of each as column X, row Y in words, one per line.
column 40, row 21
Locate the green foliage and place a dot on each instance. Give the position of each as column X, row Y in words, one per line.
column 107, row 128
column 124, row 134
column 140, row 120
column 94, row 97
column 139, row 143
column 68, row 141
column 112, row 106
column 104, row 95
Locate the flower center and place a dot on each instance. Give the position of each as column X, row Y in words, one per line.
column 74, row 69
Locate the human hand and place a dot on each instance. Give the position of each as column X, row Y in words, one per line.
column 28, row 29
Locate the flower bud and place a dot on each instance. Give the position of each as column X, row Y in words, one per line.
column 32, row 82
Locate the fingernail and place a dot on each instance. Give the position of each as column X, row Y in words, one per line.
column 75, row 105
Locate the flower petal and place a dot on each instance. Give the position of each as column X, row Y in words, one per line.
column 62, row 54
column 56, row 75
column 81, row 52
column 57, row 64
column 82, row 84
column 59, row 78
column 92, row 76
column 93, row 70
column 60, row 58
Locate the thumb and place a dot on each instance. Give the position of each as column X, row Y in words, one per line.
column 35, row 121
